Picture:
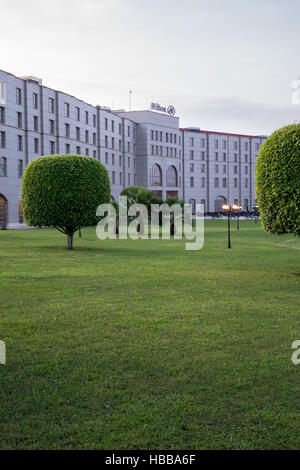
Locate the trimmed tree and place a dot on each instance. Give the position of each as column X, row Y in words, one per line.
column 64, row 191
column 278, row 181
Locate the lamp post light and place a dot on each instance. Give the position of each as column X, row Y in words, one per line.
column 238, row 209
column 228, row 209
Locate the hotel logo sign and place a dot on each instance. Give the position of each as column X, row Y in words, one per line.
column 162, row 109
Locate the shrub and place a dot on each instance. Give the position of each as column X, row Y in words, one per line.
column 278, row 181
column 64, row 191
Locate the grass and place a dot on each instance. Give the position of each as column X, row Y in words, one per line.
column 143, row 345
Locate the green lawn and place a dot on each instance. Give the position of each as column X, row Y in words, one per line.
column 143, row 345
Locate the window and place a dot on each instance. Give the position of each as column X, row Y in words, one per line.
column 2, row 115
column 87, row 152
column 246, row 170
column 246, row 146
column 67, row 130
column 113, row 177
column 235, row 145
column 20, row 143
column 246, row 182
column 155, row 175
column 202, row 156
column 128, row 147
column 77, row 133
column 120, row 129
column 202, row 167
column 35, row 101
column 77, row 113
column 36, row 123
column 51, row 126
column 256, row 147
column 94, row 120
column 2, row 140
column 78, row 150
column 192, row 154
column 235, row 182
column 202, row 182
column 191, row 182
column 36, row 145
column 235, row 158
column 112, row 142
column 224, row 169
column 192, row 141
column 106, row 141
column 216, row 182
column 67, row 109
column 87, row 137
column 120, row 177
column 106, row 124
column 192, row 167
column 19, row 120
column 216, row 144
column 20, row 168
column 224, row 157
column 202, row 143
column 67, row 148
column 216, row 168
column 2, row 93
column 19, row 96
column 113, row 159
column 94, row 153
column 224, row 182
column 224, row 144
column 216, row 156
column 120, row 160
column 94, row 138
column 52, row 147
column 235, row 169
column 3, row 166
column 128, row 162
column 172, row 176
column 129, row 179
column 51, row 105
column 86, row 117
column 128, row 132
column 106, row 158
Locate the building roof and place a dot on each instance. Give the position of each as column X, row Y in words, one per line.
column 200, row 131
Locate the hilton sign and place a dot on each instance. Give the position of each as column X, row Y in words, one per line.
column 157, row 107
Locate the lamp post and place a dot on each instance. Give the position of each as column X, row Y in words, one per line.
column 228, row 209
column 237, row 208
column 256, row 213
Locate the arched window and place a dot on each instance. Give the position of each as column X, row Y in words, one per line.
column 172, row 177
column 193, row 204
column 219, row 202
column 3, row 211
column 3, row 166
column 155, row 175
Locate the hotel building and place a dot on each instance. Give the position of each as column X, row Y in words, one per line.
column 145, row 148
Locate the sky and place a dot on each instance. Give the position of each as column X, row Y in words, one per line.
column 225, row 65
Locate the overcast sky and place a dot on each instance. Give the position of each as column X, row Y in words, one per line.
column 225, row 65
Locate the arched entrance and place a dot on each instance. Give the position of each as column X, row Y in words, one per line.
column 219, row 202
column 3, row 212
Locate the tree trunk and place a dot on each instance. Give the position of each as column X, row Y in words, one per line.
column 70, row 241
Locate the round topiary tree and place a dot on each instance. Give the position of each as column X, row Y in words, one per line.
column 278, row 181
column 64, row 191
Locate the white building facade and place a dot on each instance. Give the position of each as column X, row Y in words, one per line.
column 145, row 148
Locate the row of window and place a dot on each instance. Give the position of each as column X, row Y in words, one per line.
column 113, row 160
column 169, row 151
column 158, row 136
column 3, row 167
column 217, row 182
column 112, row 127
column 129, row 181
column 223, row 144
column 218, row 157
column 156, row 176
